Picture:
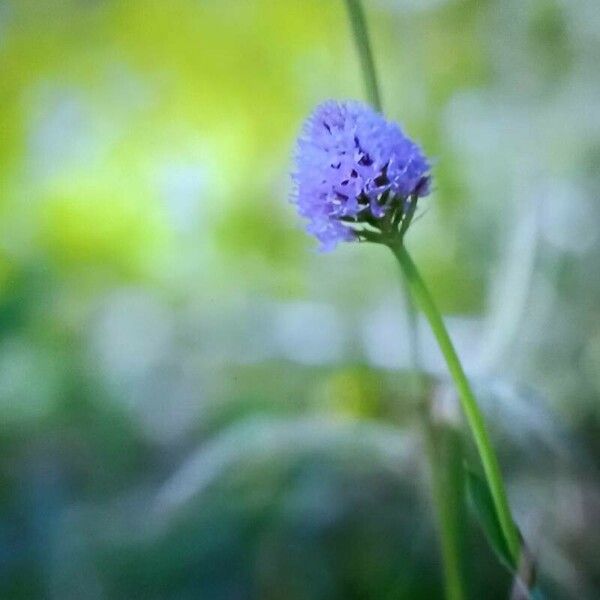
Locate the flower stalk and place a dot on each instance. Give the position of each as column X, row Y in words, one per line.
column 491, row 467
column 361, row 36
column 446, row 512
column 447, row 489
column 444, row 452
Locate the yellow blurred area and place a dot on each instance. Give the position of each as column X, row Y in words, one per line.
column 102, row 99
column 135, row 132
column 351, row 394
column 86, row 225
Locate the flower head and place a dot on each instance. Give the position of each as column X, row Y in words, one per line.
column 355, row 172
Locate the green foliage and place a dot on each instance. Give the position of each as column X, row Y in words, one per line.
column 483, row 506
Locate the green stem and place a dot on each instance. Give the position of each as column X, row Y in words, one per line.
column 443, row 447
column 445, row 464
column 445, row 510
column 444, row 454
column 474, row 416
column 361, row 36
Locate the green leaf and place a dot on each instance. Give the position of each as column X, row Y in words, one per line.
column 481, row 501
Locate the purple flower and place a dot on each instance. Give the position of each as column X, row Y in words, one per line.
column 354, row 172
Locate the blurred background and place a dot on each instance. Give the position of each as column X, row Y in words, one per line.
column 194, row 403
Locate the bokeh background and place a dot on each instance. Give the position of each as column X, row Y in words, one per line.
column 194, row 403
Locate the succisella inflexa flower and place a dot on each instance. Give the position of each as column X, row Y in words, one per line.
column 358, row 176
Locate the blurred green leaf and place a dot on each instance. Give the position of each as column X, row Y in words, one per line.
column 483, row 506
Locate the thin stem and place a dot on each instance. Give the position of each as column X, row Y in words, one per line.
column 444, row 455
column 474, row 416
column 444, row 452
column 443, row 447
column 361, row 36
column 449, row 535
